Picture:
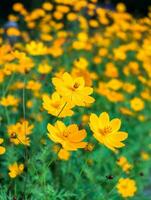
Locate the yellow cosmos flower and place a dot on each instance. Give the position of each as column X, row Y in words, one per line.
column 126, row 187
column 5, row 54
column 10, row 100
column 72, row 17
column 1, row 76
column 137, row 104
column 85, row 74
column 29, row 104
column 46, row 37
column 81, row 63
column 82, row 36
column 47, row 6
column 19, row 132
column 17, row 7
column 128, row 87
column 2, row 149
column 25, row 64
column 70, row 137
column 56, row 105
column 106, row 131
column 15, row 170
column 126, row 111
column 111, row 95
column 33, row 85
column 145, row 155
column 146, row 94
column 44, row 68
column 36, row 48
column 18, row 85
column 121, row 7
column 13, row 18
column 13, row 32
column 114, row 84
column 73, row 90
column 111, row 70
column 124, row 164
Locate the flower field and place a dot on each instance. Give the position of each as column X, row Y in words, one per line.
column 75, row 103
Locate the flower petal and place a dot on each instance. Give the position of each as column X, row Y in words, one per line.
column 2, row 150
column 94, row 123
column 115, row 124
column 104, row 119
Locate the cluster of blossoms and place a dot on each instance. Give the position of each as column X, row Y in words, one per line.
column 71, row 92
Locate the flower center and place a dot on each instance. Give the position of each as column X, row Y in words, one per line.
column 124, row 187
column 56, row 104
column 76, row 85
column 65, row 134
column 105, row 131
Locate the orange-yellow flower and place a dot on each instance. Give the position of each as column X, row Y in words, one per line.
column 121, row 7
column 36, row 48
column 19, row 132
column 106, row 131
column 137, row 104
column 2, row 149
column 145, row 155
column 124, row 164
column 44, row 68
column 13, row 32
column 33, row 85
column 81, row 63
column 47, row 6
column 70, row 137
column 15, row 170
column 126, row 111
column 126, row 187
column 10, row 100
column 73, row 90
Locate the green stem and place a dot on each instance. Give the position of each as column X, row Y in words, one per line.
column 9, row 82
column 7, row 115
column 51, row 161
column 26, row 149
column 15, row 193
column 81, row 171
column 60, row 111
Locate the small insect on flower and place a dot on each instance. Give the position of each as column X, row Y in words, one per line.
column 70, row 137
column 110, row 177
column 15, row 170
column 73, row 90
column 126, row 187
column 106, row 131
column 2, row 149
